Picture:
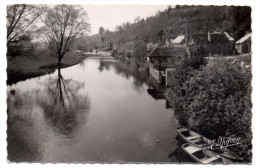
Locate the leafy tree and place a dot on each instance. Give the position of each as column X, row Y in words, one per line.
column 139, row 53
column 101, row 31
column 215, row 97
column 63, row 25
column 161, row 34
column 20, row 18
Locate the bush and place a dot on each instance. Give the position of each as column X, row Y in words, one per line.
column 215, row 97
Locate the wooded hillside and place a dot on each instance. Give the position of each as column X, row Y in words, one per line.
column 236, row 20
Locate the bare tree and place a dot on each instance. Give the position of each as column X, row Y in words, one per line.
column 63, row 25
column 20, row 18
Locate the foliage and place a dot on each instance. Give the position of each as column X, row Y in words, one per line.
column 63, row 25
column 215, row 97
column 139, row 53
column 20, row 18
column 101, row 31
column 82, row 44
column 236, row 20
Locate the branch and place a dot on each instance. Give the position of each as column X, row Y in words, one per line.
column 12, row 28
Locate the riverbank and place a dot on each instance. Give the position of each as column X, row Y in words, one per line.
column 36, row 64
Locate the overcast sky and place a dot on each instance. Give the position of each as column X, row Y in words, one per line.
column 109, row 16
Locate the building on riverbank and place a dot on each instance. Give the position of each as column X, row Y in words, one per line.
column 160, row 58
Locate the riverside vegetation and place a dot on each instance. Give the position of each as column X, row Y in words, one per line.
column 214, row 98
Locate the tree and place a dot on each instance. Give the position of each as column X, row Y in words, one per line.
column 214, row 97
column 137, row 19
column 161, row 34
column 63, row 25
column 139, row 53
column 20, row 18
column 106, row 32
column 101, row 31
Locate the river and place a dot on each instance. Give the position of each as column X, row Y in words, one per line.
column 100, row 110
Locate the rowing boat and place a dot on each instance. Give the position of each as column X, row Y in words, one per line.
column 203, row 156
column 200, row 141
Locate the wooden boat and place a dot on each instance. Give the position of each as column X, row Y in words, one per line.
column 203, row 156
column 200, row 141
column 193, row 137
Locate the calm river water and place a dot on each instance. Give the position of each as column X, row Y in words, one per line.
column 97, row 111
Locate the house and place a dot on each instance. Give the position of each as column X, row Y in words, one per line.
column 160, row 58
column 212, row 43
column 243, row 45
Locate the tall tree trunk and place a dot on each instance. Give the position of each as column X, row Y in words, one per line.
column 59, row 61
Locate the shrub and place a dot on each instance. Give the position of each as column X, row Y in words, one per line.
column 215, row 97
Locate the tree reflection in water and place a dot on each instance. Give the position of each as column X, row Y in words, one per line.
column 124, row 70
column 55, row 105
column 64, row 108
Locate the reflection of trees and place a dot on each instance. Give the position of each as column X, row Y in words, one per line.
column 21, row 127
column 138, row 81
column 82, row 63
column 125, row 71
column 64, row 108
column 104, row 65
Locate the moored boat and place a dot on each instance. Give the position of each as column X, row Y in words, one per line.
column 203, row 156
column 202, row 142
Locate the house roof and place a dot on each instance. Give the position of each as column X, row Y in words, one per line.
column 159, row 52
column 178, row 51
column 216, row 38
column 167, row 52
column 178, row 39
column 247, row 36
column 219, row 42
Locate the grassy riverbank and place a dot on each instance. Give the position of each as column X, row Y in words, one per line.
column 36, row 63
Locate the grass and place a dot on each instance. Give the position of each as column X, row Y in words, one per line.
column 39, row 59
column 35, row 63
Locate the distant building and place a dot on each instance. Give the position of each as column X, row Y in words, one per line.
column 243, row 45
column 212, row 43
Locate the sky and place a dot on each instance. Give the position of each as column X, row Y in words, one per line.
column 109, row 16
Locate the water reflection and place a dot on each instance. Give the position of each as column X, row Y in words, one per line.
column 56, row 106
column 65, row 108
column 124, row 70
column 19, row 122
column 51, row 119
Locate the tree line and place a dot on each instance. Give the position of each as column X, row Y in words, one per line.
column 236, row 20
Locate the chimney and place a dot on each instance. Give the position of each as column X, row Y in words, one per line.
column 209, row 36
